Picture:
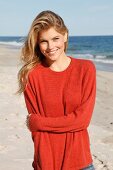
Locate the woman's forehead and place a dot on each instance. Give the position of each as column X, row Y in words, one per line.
column 51, row 32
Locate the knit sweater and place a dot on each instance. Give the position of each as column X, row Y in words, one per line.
column 61, row 106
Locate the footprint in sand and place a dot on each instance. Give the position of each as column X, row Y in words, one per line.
column 108, row 140
column 3, row 148
column 99, row 164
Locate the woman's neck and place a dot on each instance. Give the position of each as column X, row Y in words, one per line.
column 60, row 64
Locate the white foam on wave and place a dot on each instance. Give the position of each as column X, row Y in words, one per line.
column 103, row 61
column 84, row 55
column 12, row 43
column 97, row 58
column 100, row 56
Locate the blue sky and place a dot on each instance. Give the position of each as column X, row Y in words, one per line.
column 82, row 17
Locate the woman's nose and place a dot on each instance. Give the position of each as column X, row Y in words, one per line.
column 50, row 45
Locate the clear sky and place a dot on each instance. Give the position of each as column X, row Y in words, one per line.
column 82, row 17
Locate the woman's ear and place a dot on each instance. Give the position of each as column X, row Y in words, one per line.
column 65, row 37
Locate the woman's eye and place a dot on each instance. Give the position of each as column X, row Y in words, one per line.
column 43, row 41
column 56, row 39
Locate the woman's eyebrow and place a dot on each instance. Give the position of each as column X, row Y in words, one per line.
column 44, row 39
column 56, row 36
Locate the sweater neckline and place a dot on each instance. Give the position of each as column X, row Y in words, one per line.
column 63, row 71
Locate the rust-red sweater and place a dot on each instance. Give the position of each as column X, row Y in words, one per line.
column 61, row 106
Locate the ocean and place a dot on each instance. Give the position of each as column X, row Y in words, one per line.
column 96, row 48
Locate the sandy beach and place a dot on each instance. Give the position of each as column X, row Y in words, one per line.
column 16, row 146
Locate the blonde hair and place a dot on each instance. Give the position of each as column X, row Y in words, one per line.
column 30, row 54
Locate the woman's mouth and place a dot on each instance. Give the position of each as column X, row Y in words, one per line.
column 52, row 52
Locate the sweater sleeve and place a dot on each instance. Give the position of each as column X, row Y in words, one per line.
column 77, row 120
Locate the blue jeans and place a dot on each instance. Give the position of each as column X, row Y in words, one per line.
column 90, row 167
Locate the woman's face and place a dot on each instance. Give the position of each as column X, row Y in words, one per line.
column 51, row 44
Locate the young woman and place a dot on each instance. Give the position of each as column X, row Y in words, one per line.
column 59, row 92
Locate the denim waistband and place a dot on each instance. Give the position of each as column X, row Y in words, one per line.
column 89, row 167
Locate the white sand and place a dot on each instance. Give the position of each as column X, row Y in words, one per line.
column 16, row 146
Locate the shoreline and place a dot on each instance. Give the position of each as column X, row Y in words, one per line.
column 104, row 66
column 16, row 146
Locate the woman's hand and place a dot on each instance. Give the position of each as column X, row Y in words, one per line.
column 27, row 121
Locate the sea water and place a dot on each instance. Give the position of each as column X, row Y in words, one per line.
column 99, row 49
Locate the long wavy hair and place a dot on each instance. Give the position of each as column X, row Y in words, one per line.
column 30, row 53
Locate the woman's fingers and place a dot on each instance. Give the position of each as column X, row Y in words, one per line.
column 27, row 121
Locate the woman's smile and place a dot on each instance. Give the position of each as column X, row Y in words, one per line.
column 52, row 52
